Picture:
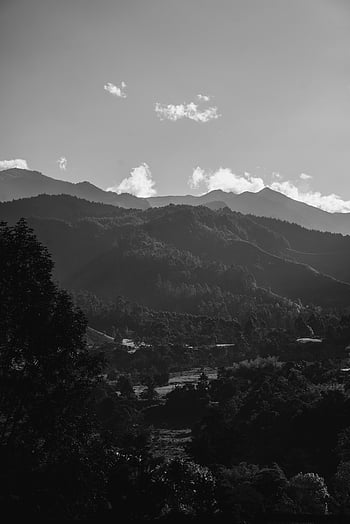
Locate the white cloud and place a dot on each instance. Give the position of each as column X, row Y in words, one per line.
column 116, row 90
column 18, row 163
column 197, row 177
column 304, row 176
column 224, row 179
column 203, row 98
column 331, row 203
column 139, row 183
column 191, row 111
column 62, row 163
column 276, row 175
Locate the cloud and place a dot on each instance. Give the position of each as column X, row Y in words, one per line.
column 197, row 177
column 203, row 98
column 276, row 175
column 332, row 203
column 62, row 163
column 224, row 179
column 116, row 90
column 191, row 111
column 18, row 163
column 227, row 181
column 304, row 176
column 139, row 183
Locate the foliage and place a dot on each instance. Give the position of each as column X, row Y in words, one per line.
column 47, row 376
column 74, row 444
column 184, row 487
column 310, row 493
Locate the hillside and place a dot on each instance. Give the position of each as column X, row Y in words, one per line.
column 180, row 258
column 327, row 252
column 63, row 207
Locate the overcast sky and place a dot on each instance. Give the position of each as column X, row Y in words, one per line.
column 96, row 90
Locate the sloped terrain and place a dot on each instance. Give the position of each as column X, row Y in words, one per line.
column 179, row 258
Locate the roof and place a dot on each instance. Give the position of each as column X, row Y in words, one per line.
column 308, row 340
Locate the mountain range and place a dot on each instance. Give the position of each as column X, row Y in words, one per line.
column 21, row 183
column 267, row 203
column 188, row 259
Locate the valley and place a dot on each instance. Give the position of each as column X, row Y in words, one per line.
column 218, row 341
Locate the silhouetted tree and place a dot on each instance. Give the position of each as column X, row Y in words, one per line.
column 47, row 440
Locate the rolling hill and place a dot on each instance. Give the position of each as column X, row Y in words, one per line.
column 184, row 258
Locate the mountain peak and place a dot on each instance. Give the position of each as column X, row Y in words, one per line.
column 268, row 191
column 271, row 193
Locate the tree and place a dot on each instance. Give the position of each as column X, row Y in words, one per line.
column 309, row 492
column 184, row 487
column 203, row 385
column 150, row 392
column 341, row 483
column 47, row 439
column 124, row 385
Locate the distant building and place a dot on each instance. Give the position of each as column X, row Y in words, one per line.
column 129, row 345
column 309, row 340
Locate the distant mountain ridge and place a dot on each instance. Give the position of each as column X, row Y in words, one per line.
column 21, row 183
column 267, row 203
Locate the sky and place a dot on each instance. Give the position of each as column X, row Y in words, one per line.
column 180, row 96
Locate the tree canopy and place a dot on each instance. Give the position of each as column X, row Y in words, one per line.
column 47, row 376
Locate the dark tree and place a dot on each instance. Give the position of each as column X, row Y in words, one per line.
column 47, row 439
column 124, row 385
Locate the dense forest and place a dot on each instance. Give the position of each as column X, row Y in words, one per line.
column 83, row 417
column 183, row 258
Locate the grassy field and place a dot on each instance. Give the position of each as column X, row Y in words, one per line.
column 170, row 443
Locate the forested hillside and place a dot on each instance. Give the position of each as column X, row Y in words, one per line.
column 327, row 252
column 183, row 258
column 188, row 288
